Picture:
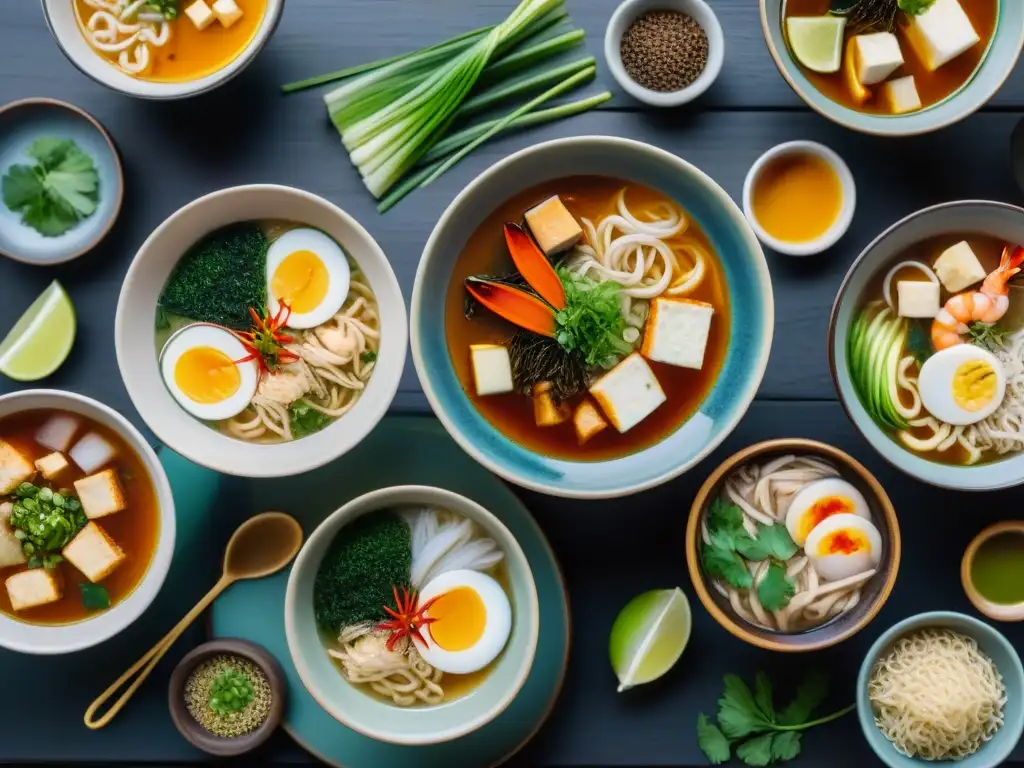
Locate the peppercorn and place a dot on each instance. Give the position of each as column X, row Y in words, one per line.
column 664, row 50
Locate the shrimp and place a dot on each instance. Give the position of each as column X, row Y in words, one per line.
column 987, row 305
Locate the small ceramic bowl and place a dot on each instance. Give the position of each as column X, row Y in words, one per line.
column 374, row 717
column 747, row 281
column 66, row 638
column 699, row 11
column 995, row 611
column 998, row 220
column 874, row 592
column 137, row 353
column 839, row 226
column 61, row 19
column 995, row 68
column 995, row 751
column 190, row 728
column 21, row 123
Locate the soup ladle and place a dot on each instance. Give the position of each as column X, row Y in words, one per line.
column 260, row 546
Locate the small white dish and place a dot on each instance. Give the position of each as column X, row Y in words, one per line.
column 839, row 226
column 699, row 11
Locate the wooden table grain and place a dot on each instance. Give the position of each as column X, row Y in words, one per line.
column 247, row 132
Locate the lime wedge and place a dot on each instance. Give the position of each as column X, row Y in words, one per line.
column 817, row 41
column 41, row 339
column 649, row 636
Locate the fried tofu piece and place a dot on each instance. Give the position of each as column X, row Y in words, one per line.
column 100, row 494
column 200, row 14
column 553, row 227
column 10, row 545
column 958, row 267
column 677, row 332
column 547, row 413
column 940, row 33
column 93, row 552
column 34, row 587
column 901, row 95
column 588, row 421
column 15, row 468
column 628, row 393
column 52, row 465
column 227, row 12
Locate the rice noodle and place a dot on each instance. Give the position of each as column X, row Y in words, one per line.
column 116, row 29
column 400, row 674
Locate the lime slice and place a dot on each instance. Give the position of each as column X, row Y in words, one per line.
column 817, row 41
column 649, row 636
column 41, row 339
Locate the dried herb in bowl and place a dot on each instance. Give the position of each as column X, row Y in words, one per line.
column 229, row 696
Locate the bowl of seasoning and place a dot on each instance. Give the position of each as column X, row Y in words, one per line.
column 991, row 571
column 664, row 52
column 799, row 198
column 227, row 696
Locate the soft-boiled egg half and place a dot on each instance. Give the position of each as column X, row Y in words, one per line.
column 308, row 271
column 844, row 545
column 962, row 384
column 198, row 365
column 472, row 620
column 819, row 501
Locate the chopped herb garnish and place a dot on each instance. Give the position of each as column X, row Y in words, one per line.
column 94, row 596
column 592, row 322
column 45, row 521
column 987, row 336
column 305, row 419
column 369, row 356
column 231, row 692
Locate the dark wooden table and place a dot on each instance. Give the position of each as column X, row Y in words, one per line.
column 246, row 132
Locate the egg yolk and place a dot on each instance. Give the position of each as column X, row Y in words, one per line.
column 300, row 281
column 459, row 619
column 824, row 507
column 974, row 385
column 206, row 375
column 845, row 541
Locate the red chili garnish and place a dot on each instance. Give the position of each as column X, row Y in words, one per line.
column 407, row 618
column 265, row 342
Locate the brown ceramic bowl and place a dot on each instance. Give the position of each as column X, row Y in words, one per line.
column 875, row 591
column 994, row 611
column 196, row 734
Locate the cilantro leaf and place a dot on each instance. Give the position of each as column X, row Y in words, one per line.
column 738, row 715
column 49, row 151
column 914, row 7
column 712, row 741
column 775, row 589
column 94, row 596
column 368, row 356
column 756, row 751
column 722, row 563
column 809, row 695
column 785, row 745
column 726, row 517
column 772, row 541
column 20, row 187
column 305, row 419
column 763, row 696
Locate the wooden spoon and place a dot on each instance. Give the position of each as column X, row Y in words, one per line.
column 260, row 546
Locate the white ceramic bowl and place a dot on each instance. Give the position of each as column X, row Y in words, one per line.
column 42, row 639
column 137, row 354
column 839, row 226
column 60, row 18
column 700, row 12
column 374, row 717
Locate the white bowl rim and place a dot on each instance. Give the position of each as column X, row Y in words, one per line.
column 377, row 500
column 708, row 19
column 386, row 376
column 757, row 372
column 115, row 619
column 849, row 203
column 163, row 91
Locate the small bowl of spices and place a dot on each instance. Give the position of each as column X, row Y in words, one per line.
column 227, row 696
column 664, row 52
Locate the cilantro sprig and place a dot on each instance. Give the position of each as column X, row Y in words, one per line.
column 730, row 544
column 748, row 721
column 915, row 7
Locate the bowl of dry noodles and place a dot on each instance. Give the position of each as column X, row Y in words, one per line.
column 792, row 545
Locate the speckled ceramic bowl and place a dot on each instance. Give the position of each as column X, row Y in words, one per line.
column 750, row 304
column 999, row 61
column 990, row 218
column 994, row 752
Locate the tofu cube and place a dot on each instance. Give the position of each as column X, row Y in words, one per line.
column 677, row 332
column 588, row 421
column 34, row 587
column 52, row 465
column 200, row 14
column 941, row 33
column 628, row 393
column 227, row 12
column 92, row 452
column 553, row 227
column 877, row 55
column 58, row 431
column 545, row 412
column 958, row 267
column 10, row 545
column 93, row 552
column 917, row 298
column 100, row 494
column 901, row 95
column 492, row 369
column 15, row 468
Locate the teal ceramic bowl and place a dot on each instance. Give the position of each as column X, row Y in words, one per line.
column 978, row 216
column 373, row 717
column 750, row 304
column 995, row 646
column 999, row 60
